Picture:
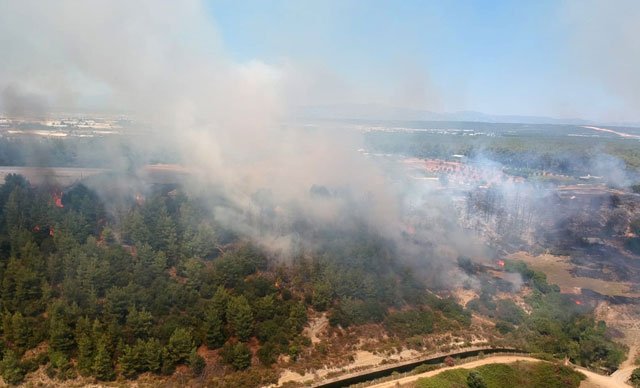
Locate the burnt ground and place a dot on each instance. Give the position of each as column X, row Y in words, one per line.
column 592, row 228
column 605, row 262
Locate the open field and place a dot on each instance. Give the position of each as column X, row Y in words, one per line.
column 61, row 175
column 153, row 173
column 558, row 271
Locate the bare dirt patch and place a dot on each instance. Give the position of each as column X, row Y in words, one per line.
column 317, row 328
column 464, row 296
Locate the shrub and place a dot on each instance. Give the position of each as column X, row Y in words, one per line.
column 410, row 323
column 448, row 361
column 197, row 363
column 237, row 355
column 635, row 377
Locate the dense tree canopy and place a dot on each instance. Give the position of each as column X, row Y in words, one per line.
column 150, row 285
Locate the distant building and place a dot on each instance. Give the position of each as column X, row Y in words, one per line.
column 589, row 177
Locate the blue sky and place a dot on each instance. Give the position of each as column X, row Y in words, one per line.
column 502, row 57
column 558, row 58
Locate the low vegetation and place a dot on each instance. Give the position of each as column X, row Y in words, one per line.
column 635, row 378
column 556, row 324
column 519, row 374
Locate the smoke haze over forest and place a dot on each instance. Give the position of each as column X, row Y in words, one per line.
column 224, row 118
column 250, row 193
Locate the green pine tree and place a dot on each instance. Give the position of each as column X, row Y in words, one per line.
column 129, row 362
column 12, row 370
column 297, row 317
column 86, row 349
column 152, row 355
column 238, row 355
column 139, row 322
column 214, row 334
column 20, row 332
column 59, row 366
column 60, row 335
column 102, row 363
column 180, row 345
column 240, row 317
column 220, row 300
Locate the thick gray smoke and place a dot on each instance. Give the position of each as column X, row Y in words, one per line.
column 20, row 104
column 162, row 61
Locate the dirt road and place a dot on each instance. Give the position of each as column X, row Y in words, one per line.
column 621, row 134
column 594, row 380
column 623, row 374
column 625, row 318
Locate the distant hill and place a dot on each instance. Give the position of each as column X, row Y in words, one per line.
column 385, row 112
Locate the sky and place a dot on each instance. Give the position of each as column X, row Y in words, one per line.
column 555, row 58
column 500, row 57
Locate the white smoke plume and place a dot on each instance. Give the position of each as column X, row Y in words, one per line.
column 164, row 62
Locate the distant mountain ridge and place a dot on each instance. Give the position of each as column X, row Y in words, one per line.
column 385, row 112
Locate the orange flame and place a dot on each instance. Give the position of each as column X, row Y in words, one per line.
column 57, row 199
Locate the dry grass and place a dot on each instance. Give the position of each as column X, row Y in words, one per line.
column 558, row 271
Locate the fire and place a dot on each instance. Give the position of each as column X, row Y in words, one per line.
column 501, row 263
column 410, row 229
column 57, row 199
column 139, row 199
column 578, row 302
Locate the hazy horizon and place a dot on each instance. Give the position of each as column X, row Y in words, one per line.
column 550, row 59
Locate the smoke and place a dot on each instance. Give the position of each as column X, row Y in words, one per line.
column 604, row 48
column 164, row 62
column 611, row 170
column 18, row 103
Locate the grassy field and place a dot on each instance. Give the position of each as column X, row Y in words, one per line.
column 557, row 269
column 518, row 374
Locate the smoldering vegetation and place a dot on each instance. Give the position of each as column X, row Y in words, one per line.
column 523, row 149
column 141, row 285
column 221, row 119
column 279, row 186
column 571, row 198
